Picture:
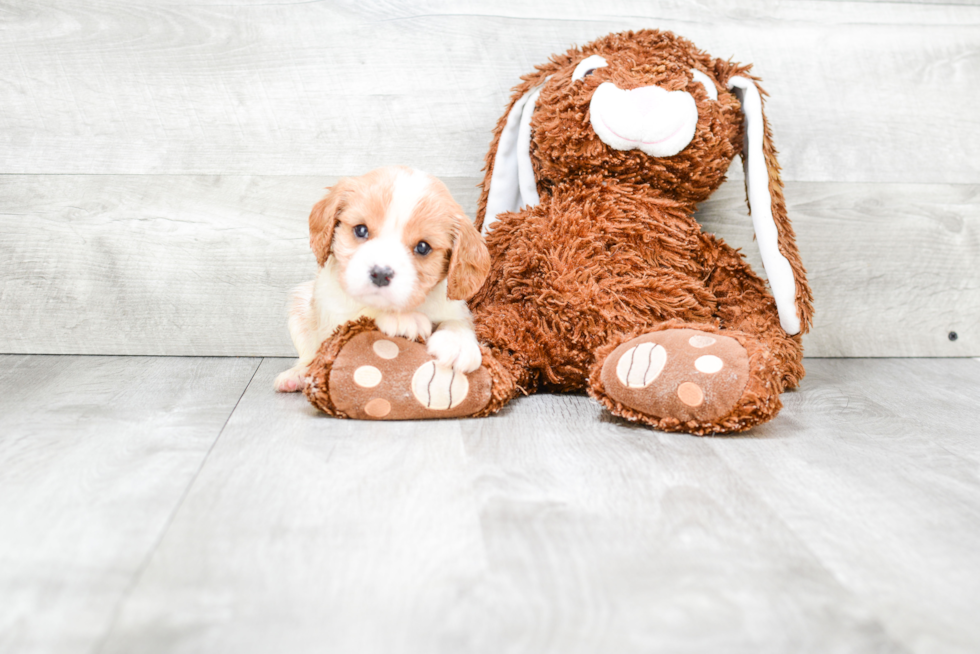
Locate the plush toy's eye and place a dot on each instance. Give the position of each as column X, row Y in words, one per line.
column 588, row 66
column 423, row 248
column 706, row 82
column 361, row 231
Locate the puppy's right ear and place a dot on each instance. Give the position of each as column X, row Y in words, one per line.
column 469, row 263
column 323, row 219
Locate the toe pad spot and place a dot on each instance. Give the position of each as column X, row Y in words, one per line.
column 367, row 376
column 385, row 349
column 641, row 365
column 439, row 387
column 377, row 408
column 709, row 364
column 690, row 394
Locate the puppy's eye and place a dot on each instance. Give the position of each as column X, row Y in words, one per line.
column 423, row 248
column 361, row 231
column 588, row 72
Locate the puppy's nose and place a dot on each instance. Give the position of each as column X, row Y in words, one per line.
column 381, row 276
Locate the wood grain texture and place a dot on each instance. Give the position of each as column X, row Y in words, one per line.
column 861, row 92
column 895, row 268
column 310, row 534
column 152, row 265
column 607, row 537
column 883, row 486
column 203, row 265
column 842, row 526
column 96, row 454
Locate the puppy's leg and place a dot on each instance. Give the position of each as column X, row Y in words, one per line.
column 303, row 331
column 454, row 344
column 292, row 380
column 410, row 324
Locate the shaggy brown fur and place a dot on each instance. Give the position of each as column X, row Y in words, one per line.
column 613, row 252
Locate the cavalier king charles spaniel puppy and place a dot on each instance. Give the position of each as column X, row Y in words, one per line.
column 394, row 246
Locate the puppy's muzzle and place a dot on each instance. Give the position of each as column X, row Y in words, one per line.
column 381, row 276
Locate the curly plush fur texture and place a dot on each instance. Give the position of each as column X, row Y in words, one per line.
column 613, row 250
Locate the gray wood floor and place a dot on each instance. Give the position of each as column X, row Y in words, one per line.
column 154, row 504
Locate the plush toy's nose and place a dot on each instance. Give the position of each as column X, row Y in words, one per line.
column 658, row 122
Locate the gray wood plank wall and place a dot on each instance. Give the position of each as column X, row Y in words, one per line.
column 158, row 160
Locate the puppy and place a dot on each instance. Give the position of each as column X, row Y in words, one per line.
column 392, row 245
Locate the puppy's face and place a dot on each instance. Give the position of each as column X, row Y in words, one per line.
column 395, row 233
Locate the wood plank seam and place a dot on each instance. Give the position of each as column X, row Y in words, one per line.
column 144, row 564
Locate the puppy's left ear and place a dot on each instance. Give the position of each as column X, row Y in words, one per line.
column 469, row 263
column 323, row 219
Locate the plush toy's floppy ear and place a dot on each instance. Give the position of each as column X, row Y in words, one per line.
column 323, row 220
column 511, row 183
column 469, row 262
column 764, row 188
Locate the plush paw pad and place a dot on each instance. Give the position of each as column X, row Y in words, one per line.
column 439, row 387
column 678, row 373
column 376, row 377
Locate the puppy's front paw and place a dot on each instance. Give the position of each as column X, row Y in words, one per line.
column 410, row 324
column 457, row 349
column 292, row 380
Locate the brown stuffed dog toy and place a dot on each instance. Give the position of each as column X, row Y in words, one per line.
column 601, row 279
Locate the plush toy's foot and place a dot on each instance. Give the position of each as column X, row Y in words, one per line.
column 687, row 380
column 376, row 377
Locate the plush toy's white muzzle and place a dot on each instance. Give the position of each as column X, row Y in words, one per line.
column 653, row 120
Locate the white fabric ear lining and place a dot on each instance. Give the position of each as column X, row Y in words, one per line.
column 706, row 82
column 525, row 171
column 512, row 184
column 589, row 63
column 780, row 273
